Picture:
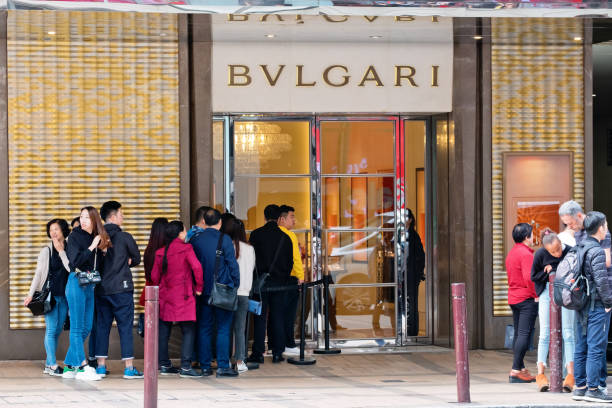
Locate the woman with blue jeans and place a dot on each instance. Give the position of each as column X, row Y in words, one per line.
column 545, row 262
column 87, row 245
column 53, row 265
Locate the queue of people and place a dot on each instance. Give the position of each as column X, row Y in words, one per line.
column 584, row 331
column 89, row 272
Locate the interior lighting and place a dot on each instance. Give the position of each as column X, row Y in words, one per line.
column 376, row 37
column 478, row 37
column 270, row 35
column 577, row 38
column 51, row 32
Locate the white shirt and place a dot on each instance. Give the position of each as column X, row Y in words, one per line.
column 246, row 264
column 567, row 238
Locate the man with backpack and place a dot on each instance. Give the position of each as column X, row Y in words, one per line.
column 591, row 336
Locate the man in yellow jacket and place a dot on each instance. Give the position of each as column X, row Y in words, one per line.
column 286, row 223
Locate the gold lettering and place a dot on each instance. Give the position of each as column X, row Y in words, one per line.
column 300, row 80
column 331, row 20
column 371, row 75
column 265, row 17
column 244, row 74
column 370, row 19
column 434, row 75
column 434, row 19
column 404, row 18
column 272, row 81
column 237, row 17
column 399, row 75
column 330, row 83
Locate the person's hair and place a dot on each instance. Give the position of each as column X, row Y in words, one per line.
column 156, row 240
column 74, row 221
column 411, row 226
column 272, row 212
column 593, row 221
column 108, row 209
column 97, row 228
column 284, row 210
column 571, row 208
column 234, row 228
column 212, row 217
column 62, row 224
column 172, row 231
column 200, row 213
column 521, row 232
column 548, row 237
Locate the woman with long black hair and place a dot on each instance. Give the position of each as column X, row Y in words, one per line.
column 157, row 239
column 415, row 273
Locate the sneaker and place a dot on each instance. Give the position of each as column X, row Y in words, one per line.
column 57, row 372
column 69, row 372
column 190, row 373
column 101, row 371
column 603, row 389
column 597, row 396
column 578, row 394
column 292, row 351
column 241, row 367
column 87, row 373
column 226, row 372
column 92, row 362
column 168, row 370
column 130, row 373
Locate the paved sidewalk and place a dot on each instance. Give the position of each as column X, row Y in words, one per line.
column 420, row 379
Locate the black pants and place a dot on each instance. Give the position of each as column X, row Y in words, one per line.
column 276, row 335
column 291, row 299
column 260, row 324
column 413, row 308
column 524, row 315
column 165, row 329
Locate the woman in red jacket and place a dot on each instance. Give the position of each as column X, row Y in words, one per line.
column 175, row 270
column 522, row 298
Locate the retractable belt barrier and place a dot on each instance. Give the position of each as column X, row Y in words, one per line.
column 284, row 288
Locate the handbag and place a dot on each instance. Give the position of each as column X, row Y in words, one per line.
column 222, row 296
column 42, row 300
column 90, row 277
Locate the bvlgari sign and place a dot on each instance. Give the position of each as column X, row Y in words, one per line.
column 340, row 64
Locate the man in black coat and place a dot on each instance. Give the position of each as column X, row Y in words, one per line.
column 273, row 255
column 115, row 294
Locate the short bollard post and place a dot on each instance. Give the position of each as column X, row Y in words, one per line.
column 151, row 346
column 461, row 342
column 554, row 349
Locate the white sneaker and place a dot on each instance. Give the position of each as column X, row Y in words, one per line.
column 69, row 373
column 603, row 389
column 292, row 351
column 241, row 367
column 88, row 373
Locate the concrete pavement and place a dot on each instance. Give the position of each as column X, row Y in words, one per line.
column 422, row 378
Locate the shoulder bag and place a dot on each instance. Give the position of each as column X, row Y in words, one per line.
column 256, row 305
column 42, row 301
column 90, row 277
column 222, row 296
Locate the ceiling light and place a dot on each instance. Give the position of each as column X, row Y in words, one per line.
column 270, row 35
column 577, row 38
column 594, row 95
column 478, row 37
column 51, row 32
column 376, row 37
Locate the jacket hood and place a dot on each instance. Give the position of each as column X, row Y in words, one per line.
column 112, row 230
column 193, row 232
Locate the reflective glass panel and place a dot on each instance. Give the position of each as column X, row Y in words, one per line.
column 358, row 202
column 253, row 194
column 275, row 147
column 362, row 312
column 218, row 168
column 357, row 147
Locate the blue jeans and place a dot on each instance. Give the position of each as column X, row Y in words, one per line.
column 223, row 318
column 119, row 307
column 603, row 381
column 81, row 304
column 54, row 324
column 568, row 328
column 590, row 351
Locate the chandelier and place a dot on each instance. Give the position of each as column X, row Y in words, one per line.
column 257, row 143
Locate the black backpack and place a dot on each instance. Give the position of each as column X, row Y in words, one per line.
column 572, row 289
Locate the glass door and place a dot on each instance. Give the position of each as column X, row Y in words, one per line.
column 356, row 161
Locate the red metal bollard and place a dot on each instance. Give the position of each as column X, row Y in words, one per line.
column 555, row 358
column 151, row 346
column 461, row 342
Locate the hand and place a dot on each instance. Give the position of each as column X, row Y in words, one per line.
column 537, row 299
column 547, row 268
column 607, row 309
column 130, row 261
column 27, row 300
column 58, row 245
column 198, row 293
column 95, row 242
column 300, row 281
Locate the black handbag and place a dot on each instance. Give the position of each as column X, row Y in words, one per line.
column 90, row 277
column 42, row 301
column 222, row 296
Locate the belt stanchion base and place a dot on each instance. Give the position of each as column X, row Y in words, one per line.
column 327, row 349
column 303, row 360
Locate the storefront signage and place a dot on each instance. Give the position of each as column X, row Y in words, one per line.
column 280, row 66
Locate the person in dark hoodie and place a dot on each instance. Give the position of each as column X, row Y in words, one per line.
column 204, row 237
column 115, row 294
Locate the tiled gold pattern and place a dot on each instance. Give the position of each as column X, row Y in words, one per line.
column 93, row 116
column 537, row 105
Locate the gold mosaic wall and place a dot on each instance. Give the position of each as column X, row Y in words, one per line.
column 93, row 116
column 537, row 96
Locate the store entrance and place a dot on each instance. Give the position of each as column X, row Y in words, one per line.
column 361, row 190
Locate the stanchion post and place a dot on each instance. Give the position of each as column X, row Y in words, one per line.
column 151, row 345
column 554, row 349
column 302, row 360
column 326, row 293
column 461, row 342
